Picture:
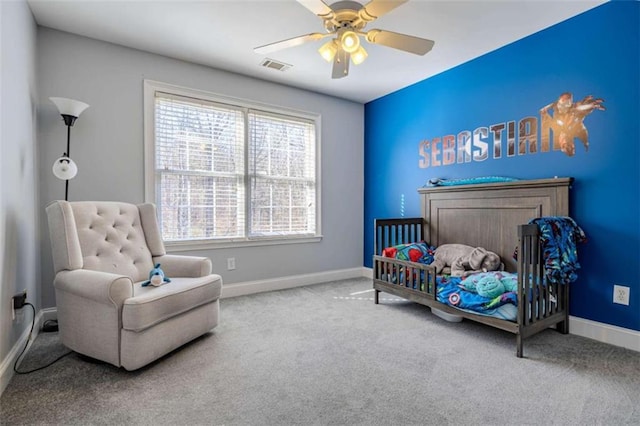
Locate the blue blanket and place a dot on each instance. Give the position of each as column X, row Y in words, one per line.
column 559, row 236
column 452, row 292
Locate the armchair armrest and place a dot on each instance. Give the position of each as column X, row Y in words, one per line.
column 101, row 287
column 184, row 266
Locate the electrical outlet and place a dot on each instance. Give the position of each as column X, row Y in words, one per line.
column 621, row 294
column 231, row 263
column 20, row 299
column 17, row 302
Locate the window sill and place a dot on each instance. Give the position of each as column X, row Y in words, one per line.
column 176, row 246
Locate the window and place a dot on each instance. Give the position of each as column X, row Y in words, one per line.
column 224, row 171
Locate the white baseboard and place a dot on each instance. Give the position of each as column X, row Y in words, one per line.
column 6, row 367
column 47, row 314
column 605, row 333
column 367, row 273
column 260, row 286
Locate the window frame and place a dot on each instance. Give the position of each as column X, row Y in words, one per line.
column 151, row 185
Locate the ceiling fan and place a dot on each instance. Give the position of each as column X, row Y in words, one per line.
column 346, row 21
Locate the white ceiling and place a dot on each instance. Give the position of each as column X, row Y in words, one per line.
column 223, row 33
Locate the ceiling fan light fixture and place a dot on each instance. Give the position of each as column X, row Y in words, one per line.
column 359, row 56
column 345, row 22
column 328, row 50
column 350, row 41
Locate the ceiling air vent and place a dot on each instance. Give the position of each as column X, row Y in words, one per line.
column 280, row 66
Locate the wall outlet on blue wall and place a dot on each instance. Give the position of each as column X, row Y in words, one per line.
column 621, row 294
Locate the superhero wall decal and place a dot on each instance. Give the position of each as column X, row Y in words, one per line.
column 567, row 121
column 560, row 124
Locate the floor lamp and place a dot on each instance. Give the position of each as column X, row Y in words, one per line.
column 64, row 167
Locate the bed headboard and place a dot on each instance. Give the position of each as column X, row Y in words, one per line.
column 487, row 215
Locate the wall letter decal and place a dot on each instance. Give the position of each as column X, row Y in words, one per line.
column 464, row 147
column 435, row 151
column 511, row 138
column 448, row 149
column 497, row 130
column 480, row 145
column 528, row 135
column 422, row 152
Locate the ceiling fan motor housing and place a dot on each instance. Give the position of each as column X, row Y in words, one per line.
column 346, row 14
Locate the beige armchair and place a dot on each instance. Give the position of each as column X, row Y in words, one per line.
column 102, row 253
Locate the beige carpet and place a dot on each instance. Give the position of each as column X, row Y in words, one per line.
column 325, row 354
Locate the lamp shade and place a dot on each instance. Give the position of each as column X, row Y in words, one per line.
column 328, row 50
column 69, row 106
column 350, row 41
column 65, row 168
column 359, row 56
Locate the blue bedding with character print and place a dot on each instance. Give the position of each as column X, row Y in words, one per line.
column 489, row 293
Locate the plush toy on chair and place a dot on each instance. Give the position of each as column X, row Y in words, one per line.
column 156, row 277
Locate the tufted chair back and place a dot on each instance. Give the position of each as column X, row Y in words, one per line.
column 112, row 237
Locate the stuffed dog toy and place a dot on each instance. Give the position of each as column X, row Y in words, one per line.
column 462, row 258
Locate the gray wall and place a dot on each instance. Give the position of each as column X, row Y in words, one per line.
column 107, row 144
column 19, row 239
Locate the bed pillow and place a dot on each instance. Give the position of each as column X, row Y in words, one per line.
column 414, row 252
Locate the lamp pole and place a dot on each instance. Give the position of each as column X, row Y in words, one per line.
column 64, row 168
column 67, row 154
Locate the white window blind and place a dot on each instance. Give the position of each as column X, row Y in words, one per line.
column 282, row 175
column 229, row 172
column 200, row 169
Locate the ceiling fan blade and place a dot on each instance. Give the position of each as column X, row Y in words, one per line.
column 405, row 42
column 296, row 41
column 318, row 7
column 376, row 8
column 341, row 64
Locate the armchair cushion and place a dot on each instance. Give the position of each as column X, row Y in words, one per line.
column 152, row 305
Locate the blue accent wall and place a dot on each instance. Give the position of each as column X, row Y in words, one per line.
column 596, row 53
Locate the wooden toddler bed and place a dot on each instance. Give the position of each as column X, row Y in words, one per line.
column 493, row 216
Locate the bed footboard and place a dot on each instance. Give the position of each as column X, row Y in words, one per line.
column 542, row 305
column 413, row 281
column 410, row 280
